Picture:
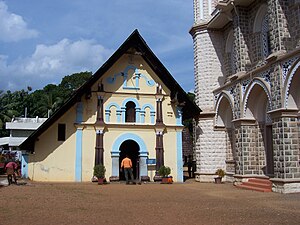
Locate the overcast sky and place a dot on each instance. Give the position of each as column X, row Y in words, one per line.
column 42, row 41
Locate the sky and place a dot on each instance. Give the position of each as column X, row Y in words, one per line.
column 42, row 41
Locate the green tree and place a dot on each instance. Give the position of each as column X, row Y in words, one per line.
column 71, row 83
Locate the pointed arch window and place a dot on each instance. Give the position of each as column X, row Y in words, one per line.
column 130, row 112
column 265, row 37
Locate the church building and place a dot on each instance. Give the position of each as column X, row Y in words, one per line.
column 130, row 106
column 247, row 82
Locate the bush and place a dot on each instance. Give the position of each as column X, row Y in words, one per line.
column 164, row 171
column 220, row 173
column 99, row 171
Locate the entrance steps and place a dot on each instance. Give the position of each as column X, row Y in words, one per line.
column 256, row 184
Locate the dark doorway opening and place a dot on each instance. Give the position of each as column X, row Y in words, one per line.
column 130, row 148
column 269, row 151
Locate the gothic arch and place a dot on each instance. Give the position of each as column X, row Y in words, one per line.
column 291, row 87
column 224, row 110
column 259, row 18
column 229, row 42
column 258, row 105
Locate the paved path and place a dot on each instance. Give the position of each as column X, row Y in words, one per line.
column 188, row 203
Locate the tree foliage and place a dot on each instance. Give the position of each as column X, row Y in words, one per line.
column 41, row 103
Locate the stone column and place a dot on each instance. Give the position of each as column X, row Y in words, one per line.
column 99, row 126
column 159, row 150
column 286, row 147
column 99, row 148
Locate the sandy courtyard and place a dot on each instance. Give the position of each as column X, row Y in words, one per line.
column 188, row 203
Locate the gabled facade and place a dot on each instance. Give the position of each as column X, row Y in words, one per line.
column 131, row 105
column 247, row 79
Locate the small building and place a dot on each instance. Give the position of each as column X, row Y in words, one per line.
column 20, row 128
column 130, row 106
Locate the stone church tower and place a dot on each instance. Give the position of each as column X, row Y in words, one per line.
column 210, row 153
column 247, row 79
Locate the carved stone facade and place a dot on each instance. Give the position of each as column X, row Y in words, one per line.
column 247, row 79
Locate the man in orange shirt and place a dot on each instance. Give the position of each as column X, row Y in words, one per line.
column 127, row 165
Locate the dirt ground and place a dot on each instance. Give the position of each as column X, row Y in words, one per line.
column 188, row 203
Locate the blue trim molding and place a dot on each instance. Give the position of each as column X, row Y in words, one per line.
column 108, row 112
column 78, row 156
column 178, row 115
column 179, row 157
column 136, row 77
column 143, row 113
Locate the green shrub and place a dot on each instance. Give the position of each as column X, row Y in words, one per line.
column 99, row 171
column 164, row 171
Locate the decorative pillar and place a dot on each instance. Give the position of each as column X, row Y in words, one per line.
column 100, row 110
column 99, row 147
column 99, row 126
column 159, row 98
column 159, row 128
column 159, row 150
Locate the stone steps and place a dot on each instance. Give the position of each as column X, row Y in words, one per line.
column 256, row 184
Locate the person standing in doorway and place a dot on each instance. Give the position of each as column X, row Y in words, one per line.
column 127, row 165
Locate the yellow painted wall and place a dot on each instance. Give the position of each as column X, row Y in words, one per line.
column 55, row 160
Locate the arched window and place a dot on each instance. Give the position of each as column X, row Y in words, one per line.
column 130, row 112
column 265, row 37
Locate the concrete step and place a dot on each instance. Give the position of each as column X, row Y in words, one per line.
column 255, row 184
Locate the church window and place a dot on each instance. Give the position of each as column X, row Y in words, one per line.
column 130, row 112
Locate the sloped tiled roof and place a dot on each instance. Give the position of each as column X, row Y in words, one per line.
column 134, row 41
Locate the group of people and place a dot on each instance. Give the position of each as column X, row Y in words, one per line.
column 12, row 170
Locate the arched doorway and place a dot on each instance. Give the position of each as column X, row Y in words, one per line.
column 224, row 119
column 131, row 149
column 257, row 106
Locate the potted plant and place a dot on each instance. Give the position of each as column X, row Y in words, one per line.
column 221, row 174
column 164, row 172
column 99, row 172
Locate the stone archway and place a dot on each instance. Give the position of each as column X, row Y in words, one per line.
column 260, row 133
column 224, row 117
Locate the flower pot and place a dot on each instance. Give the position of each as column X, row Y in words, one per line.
column 101, row 181
column 218, row 180
column 167, row 180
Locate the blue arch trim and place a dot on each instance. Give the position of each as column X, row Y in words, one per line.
column 137, row 109
column 111, row 105
column 152, row 113
column 108, row 111
column 148, row 106
column 137, row 105
column 129, row 136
